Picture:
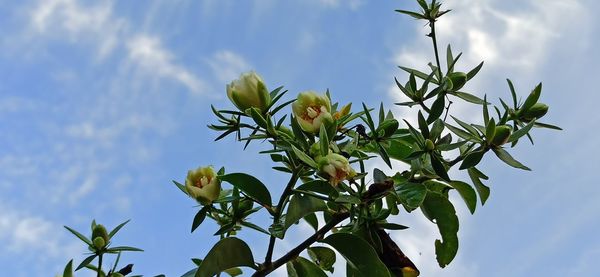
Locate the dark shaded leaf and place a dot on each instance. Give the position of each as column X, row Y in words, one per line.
column 227, row 253
column 358, row 253
column 251, row 186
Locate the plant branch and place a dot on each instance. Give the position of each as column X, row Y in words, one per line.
column 99, row 274
column 435, row 47
column 268, row 268
column 278, row 210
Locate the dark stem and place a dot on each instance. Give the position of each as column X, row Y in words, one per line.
column 268, row 268
column 99, row 274
column 278, row 211
column 435, row 47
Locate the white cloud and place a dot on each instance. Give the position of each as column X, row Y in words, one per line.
column 352, row 4
column 149, row 54
column 227, row 65
column 93, row 23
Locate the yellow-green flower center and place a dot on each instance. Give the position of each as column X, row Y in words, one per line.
column 313, row 112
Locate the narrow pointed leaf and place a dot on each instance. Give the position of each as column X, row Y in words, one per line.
column 508, row 159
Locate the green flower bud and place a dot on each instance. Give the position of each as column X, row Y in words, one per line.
column 245, row 205
column 99, row 231
column 203, row 185
column 99, row 243
column 116, row 274
column 249, row 91
column 501, row 135
column 429, row 146
column 459, row 79
column 388, row 127
column 336, row 168
column 538, row 110
column 312, row 110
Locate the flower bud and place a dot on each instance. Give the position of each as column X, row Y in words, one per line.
column 249, row 91
column 100, row 236
column 116, row 274
column 536, row 111
column 203, row 185
column 429, row 145
column 387, row 128
column 501, row 135
column 99, row 243
column 245, row 205
column 312, row 110
column 336, row 168
column 459, row 79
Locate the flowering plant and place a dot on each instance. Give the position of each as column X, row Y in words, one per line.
column 323, row 148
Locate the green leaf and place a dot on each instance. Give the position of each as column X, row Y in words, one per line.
column 513, row 93
column 392, row 226
column 301, row 206
column 199, row 217
column 190, row 273
column 460, row 133
column 318, row 186
column 411, row 195
column 468, row 97
column 423, row 126
column 312, row 220
column 466, row 126
column 549, row 126
column 80, row 236
column 467, row 193
column 359, row 254
column 347, row 199
column 368, row 120
column 301, row 267
column 227, row 253
column 532, row 98
column 474, row 71
column 124, row 248
column 116, row 229
column 180, row 186
column 437, row 108
column 303, row 157
column 68, row 272
column 439, row 167
column 255, row 227
column 490, row 129
column 258, row 118
column 449, row 58
column 235, row 271
column 521, row 132
column 412, row 14
column 472, row 159
column 482, row 190
column 508, row 159
column 323, row 141
column 86, row 262
column 251, row 186
column 439, row 208
column 324, row 257
column 419, row 74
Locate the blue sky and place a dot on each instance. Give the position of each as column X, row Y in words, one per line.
column 103, row 103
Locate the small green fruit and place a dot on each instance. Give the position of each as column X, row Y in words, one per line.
column 387, row 128
column 116, row 274
column 538, row 110
column 501, row 135
column 459, row 79
column 245, row 205
column 99, row 242
column 100, row 232
column 429, row 146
